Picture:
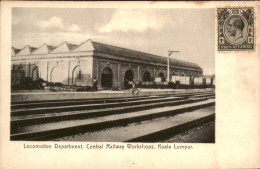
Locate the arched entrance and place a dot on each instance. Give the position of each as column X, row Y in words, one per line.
column 57, row 74
column 76, row 74
column 106, row 77
column 146, row 77
column 52, row 74
column 129, row 76
column 35, row 73
column 161, row 75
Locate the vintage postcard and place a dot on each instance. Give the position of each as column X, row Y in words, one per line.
column 96, row 88
column 130, row 85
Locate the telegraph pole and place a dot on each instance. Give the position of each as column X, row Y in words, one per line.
column 168, row 63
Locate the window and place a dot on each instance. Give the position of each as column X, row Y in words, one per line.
column 79, row 75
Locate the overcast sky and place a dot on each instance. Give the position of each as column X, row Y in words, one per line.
column 155, row 31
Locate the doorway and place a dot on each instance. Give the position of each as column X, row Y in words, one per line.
column 106, row 78
column 76, row 75
column 35, row 73
column 161, row 75
column 146, row 77
column 129, row 77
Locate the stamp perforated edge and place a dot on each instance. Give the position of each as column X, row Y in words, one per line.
column 216, row 32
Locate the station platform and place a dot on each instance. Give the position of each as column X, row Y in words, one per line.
column 37, row 95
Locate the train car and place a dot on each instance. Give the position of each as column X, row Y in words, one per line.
column 178, row 82
column 198, row 81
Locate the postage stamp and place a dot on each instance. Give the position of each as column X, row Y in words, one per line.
column 235, row 29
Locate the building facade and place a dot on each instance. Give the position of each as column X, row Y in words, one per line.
column 112, row 66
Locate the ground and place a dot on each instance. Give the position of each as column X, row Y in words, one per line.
column 201, row 134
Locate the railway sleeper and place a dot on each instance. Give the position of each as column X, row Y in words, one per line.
column 39, row 104
column 61, row 132
column 83, row 115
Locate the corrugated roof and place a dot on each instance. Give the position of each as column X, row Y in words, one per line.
column 113, row 50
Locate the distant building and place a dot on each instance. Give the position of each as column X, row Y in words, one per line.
column 112, row 66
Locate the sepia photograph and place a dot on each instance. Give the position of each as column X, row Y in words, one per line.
column 113, row 75
column 144, row 84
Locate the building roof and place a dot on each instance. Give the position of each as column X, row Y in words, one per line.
column 118, row 51
column 44, row 49
column 71, row 46
column 90, row 45
column 27, row 50
column 50, row 48
column 64, row 47
column 15, row 51
column 85, row 46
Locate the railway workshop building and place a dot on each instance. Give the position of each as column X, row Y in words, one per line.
column 112, row 66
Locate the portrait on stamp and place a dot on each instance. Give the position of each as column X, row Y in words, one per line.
column 235, row 29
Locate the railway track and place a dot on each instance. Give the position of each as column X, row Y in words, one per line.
column 48, row 120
